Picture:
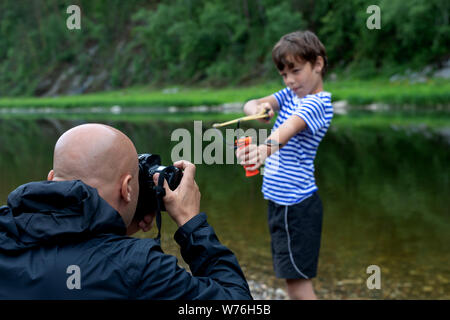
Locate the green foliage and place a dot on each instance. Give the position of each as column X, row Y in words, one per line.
column 412, row 34
column 208, row 41
column 215, row 40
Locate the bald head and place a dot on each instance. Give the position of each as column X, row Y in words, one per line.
column 94, row 153
column 100, row 156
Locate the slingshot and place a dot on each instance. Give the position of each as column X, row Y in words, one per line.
column 263, row 114
column 244, row 141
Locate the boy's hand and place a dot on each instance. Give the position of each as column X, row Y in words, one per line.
column 263, row 107
column 252, row 156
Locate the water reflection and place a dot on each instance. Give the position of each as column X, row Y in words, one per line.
column 385, row 194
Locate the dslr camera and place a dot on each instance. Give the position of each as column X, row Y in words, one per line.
column 149, row 197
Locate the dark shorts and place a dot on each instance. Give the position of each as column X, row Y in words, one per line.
column 295, row 232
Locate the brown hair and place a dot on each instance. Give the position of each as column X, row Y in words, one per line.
column 302, row 45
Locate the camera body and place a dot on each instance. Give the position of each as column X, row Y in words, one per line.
column 149, row 164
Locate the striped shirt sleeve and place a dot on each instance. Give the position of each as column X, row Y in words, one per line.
column 312, row 111
column 282, row 96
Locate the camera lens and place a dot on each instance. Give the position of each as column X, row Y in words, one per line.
column 149, row 164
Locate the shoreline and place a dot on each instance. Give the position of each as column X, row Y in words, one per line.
column 261, row 291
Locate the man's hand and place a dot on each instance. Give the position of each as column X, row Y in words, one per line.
column 145, row 225
column 183, row 203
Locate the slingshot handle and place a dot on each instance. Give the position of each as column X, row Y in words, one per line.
column 241, row 143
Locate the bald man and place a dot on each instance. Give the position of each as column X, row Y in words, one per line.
column 69, row 237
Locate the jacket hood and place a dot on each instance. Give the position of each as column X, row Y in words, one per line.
column 49, row 212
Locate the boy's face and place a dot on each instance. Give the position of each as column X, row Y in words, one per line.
column 303, row 78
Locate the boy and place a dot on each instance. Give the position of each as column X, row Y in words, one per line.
column 305, row 112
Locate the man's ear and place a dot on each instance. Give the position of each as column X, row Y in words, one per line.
column 125, row 190
column 50, row 175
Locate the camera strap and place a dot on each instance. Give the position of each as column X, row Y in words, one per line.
column 160, row 193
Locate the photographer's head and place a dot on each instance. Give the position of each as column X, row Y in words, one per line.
column 104, row 158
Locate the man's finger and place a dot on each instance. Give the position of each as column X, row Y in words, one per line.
column 149, row 217
column 166, row 185
column 188, row 169
column 181, row 164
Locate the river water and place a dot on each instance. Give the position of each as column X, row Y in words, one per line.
column 384, row 189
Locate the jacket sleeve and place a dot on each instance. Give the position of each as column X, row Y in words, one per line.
column 216, row 273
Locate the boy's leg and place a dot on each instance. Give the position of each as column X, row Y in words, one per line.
column 295, row 242
column 300, row 289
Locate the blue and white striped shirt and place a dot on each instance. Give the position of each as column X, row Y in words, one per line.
column 289, row 172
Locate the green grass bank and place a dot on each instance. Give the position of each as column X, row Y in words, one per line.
column 430, row 94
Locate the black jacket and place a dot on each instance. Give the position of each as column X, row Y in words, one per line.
column 61, row 240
